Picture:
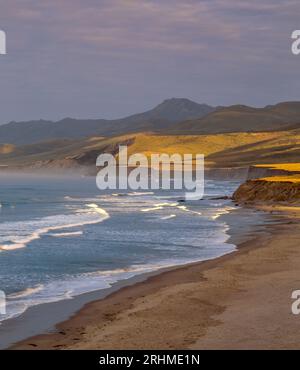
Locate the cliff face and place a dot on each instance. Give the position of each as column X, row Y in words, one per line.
column 256, row 172
column 267, row 191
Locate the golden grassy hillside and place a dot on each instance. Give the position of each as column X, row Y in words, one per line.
column 227, row 150
column 288, row 167
column 277, row 147
column 7, row 148
column 195, row 144
column 292, row 178
column 282, row 166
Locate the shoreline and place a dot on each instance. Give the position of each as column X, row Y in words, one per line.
column 241, row 300
column 52, row 318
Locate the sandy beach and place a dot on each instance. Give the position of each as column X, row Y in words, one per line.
column 238, row 301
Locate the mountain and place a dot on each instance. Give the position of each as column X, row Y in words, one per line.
column 164, row 116
column 176, row 110
column 241, row 118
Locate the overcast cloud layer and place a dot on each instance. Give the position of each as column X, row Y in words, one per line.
column 110, row 58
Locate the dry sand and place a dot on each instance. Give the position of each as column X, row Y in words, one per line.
column 239, row 301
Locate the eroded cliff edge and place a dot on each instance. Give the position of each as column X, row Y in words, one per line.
column 268, row 191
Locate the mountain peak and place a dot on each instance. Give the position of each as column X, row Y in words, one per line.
column 179, row 109
column 180, row 101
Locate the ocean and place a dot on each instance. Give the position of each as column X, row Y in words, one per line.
column 62, row 237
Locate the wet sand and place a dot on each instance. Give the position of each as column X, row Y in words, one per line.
column 238, row 301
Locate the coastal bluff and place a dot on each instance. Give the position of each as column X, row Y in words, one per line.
column 267, row 191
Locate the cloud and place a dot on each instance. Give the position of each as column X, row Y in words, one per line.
column 142, row 24
column 73, row 49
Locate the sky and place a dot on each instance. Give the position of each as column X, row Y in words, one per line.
column 112, row 58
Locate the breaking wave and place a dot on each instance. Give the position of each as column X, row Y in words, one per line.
column 16, row 235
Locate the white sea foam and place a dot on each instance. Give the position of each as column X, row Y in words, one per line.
column 26, row 292
column 175, row 204
column 168, row 217
column 125, row 270
column 18, row 234
column 68, row 198
column 140, row 193
column 185, row 209
column 133, row 194
column 222, row 211
column 62, row 235
column 151, row 209
column 97, row 209
column 160, row 206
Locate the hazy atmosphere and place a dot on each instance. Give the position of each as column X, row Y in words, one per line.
column 110, row 58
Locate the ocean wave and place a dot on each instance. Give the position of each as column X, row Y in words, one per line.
column 168, row 217
column 125, row 270
column 18, row 303
column 175, row 204
column 68, row 288
column 221, row 212
column 185, row 209
column 61, row 235
column 67, row 197
column 99, row 210
column 55, row 291
column 160, row 206
column 36, row 228
column 133, row 194
column 140, row 193
column 26, row 292
column 151, row 209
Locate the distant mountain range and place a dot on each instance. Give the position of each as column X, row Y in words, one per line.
column 172, row 116
column 163, row 116
column 241, row 118
column 234, row 136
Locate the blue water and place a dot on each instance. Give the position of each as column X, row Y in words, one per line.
column 63, row 237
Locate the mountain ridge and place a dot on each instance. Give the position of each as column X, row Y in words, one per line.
column 163, row 116
column 243, row 118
